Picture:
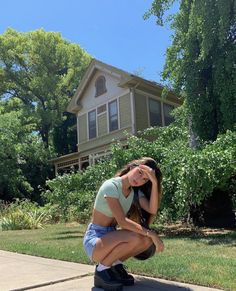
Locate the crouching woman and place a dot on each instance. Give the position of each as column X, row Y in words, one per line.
column 137, row 184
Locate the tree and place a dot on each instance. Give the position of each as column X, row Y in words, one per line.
column 65, row 135
column 42, row 70
column 23, row 158
column 201, row 61
column 12, row 180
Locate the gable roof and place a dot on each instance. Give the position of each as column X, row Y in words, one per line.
column 128, row 80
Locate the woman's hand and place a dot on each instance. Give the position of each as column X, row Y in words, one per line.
column 150, row 173
column 157, row 241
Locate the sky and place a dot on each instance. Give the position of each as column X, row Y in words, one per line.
column 112, row 31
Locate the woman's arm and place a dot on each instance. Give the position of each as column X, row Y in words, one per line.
column 151, row 205
column 122, row 220
column 129, row 224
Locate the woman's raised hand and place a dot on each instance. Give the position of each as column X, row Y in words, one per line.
column 149, row 172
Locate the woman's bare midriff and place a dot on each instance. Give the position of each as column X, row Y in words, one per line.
column 102, row 220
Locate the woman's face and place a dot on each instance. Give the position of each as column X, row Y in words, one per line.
column 137, row 177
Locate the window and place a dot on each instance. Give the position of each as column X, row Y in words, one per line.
column 100, row 86
column 92, row 124
column 113, row 115
column 101, row 109
column 167, row 113
column 155, row 112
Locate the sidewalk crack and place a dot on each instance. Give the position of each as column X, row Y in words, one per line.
column 52, row 282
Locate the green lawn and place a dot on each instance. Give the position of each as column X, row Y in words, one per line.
column 194, row 257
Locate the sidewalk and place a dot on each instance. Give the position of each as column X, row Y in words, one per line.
column 24, row 272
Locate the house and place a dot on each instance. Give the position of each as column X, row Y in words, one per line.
column 109, row 103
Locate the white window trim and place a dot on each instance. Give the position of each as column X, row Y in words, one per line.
column 88, row 139
column 118, row 114
column 77, row 119
column 132, row 108
column 104, row 112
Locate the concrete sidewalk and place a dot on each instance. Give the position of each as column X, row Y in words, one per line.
column 24, row 272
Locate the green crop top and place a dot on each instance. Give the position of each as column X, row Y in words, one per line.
column 112, row 188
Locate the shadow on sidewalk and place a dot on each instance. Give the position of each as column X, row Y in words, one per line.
column 147, row 284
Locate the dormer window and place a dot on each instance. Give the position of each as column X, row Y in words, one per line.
column 100, row 86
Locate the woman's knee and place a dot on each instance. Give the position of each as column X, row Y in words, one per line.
column 146, row 242
column 136, row 239
column 142, row 242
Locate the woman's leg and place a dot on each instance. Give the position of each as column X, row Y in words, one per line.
column 117, row 245
column 146, row 243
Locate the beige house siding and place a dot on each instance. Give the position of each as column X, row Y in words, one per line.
column 141, row 111
column 125, row 111
column 88, row 101
column 105, row 139
column 82, row 128
column 102, row 124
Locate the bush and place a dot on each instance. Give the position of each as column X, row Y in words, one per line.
column 189, row 175
column 23, row 214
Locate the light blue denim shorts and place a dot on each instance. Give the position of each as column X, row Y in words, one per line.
column 92, row 233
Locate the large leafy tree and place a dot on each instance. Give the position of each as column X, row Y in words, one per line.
column 201, row 62
column 67, row 130
column 23, row 158
column 42, row 70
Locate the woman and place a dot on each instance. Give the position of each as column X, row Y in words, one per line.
column 110, row 247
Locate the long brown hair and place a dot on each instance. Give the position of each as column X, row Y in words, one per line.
column 146, row 188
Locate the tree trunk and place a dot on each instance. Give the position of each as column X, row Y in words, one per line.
column 193, row 138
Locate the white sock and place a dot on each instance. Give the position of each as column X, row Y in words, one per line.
column 102, row 267
column 117, row 263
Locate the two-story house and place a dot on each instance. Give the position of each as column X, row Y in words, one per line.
column 109, row 103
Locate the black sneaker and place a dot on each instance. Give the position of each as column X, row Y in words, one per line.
column 105, row 279
column 122, row 276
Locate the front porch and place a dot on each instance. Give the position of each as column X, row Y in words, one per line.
column 78, row 161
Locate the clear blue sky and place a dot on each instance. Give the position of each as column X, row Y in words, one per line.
column 112, row 31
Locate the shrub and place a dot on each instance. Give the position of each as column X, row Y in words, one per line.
column 189, row 175
column 23, row 214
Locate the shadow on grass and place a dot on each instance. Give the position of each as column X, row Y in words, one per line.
column 224, row 240
column 70, row 232
column 64, row 237
column 68, row 237
column 209, row 236
column 148, row 284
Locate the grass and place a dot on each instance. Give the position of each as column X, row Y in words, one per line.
column 198, row 257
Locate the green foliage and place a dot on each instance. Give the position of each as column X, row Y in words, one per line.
column 189, row 176
column 42, row 70
column 201, row 61
column 39, row 73
column 65, row 135
column 23, row 214
column 23, row 158
column 158, row 8
column 73, row 203
column 12, row 181
column 192, row 175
